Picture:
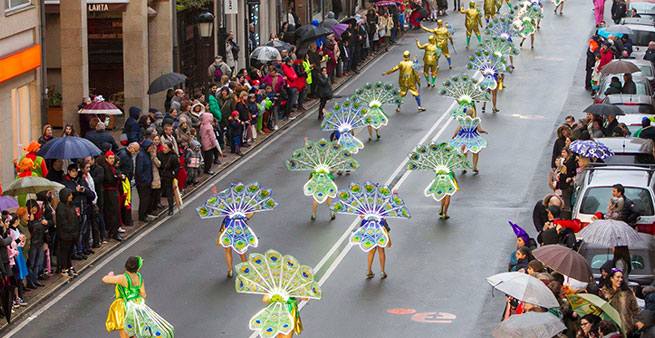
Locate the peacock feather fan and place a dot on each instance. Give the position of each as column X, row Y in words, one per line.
column 464, row 89
column 468, row 138
column 235, row 203
column 373, row 202
column 499, row 46
column 321, row 158
column 282, row 279
column 489, row 65
column 502, row 26
column 441, row 158
column 344, row 117
column 374, row 96
column 141, row 321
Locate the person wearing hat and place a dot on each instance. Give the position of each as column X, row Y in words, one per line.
column 442, row 35
column 473, row 22
column 430, row 59
column 408, row 79
column 112, row 177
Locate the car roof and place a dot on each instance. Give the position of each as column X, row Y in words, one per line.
column 641, row 27
column 627, row 98
column 646, row 243
column 638, row 21
column 630, row 176
column 631, row 145
column 637, row 62
column 633, row 119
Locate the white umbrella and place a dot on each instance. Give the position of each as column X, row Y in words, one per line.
column 609, row 233
column 530, row 325
column 619, row 29
column 524, row 288
column 265, row 54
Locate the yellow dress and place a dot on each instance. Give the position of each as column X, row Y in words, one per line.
column 473, row 21
column 442, row 35
column 118, row 309
column 430, row 58
column 408, row 79
column 489, row 9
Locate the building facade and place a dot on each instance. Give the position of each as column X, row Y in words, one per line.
column 20, row 78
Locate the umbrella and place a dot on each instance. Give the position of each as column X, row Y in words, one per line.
column 329, row 22
column 604, row 33
column 338, row 29
column 619, row 29
column 586, row 303
column 265, row 54
column 524, row 288
column 609, row 233
column 529, row 325
column 564, row 260
column 8, row 202
column 590, row 149
column 30, row 185
column 388, row 3
column 279, row 45
column 310, row 32
column 67, row 148
column 166, row 81
column 350, row 20
column 604, row 109
column 100, row 107
column 619, row 67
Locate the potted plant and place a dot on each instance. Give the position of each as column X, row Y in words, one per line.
column 55, row 111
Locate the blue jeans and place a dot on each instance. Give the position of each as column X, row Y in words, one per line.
column 301, row 97
column 236, row 144
column 35, row 263
column 293, row 95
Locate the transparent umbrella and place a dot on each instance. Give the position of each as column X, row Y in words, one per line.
column 529, row 325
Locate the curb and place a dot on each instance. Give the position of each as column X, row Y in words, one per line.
column 60, row 282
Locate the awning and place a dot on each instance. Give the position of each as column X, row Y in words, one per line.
column 92, row 6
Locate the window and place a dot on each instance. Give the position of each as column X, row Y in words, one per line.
column 598, row 260
column 637, row 108
column 11, row 5
column 646, row 71
column 641, row 38
column 596, row 199
column 20, row 113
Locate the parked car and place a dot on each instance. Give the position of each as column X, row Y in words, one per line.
column 642, row 257
column 642, row 84
column 641, row 36
column 596, row 190
column 647, row 69
column 633, row 121
column 645, row 19
column 632, row 104
column 629, row 150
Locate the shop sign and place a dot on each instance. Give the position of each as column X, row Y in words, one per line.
column 98, row 7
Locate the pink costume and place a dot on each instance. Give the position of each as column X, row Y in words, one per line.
column 599, row 10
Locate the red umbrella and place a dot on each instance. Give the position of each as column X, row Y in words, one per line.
column 100, row 107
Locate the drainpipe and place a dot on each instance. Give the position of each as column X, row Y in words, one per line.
column 44, row 68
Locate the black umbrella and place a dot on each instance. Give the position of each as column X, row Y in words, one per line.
column 309, row 32
column 350, row 20
column 279, row 45
column 166, row 81
column 604, row 109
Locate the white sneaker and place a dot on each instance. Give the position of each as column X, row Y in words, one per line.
column 275, row 128
column 121, row 230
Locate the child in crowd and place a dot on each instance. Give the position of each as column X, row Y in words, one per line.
column 235, row 127
column 253, row 109
column 193, row 158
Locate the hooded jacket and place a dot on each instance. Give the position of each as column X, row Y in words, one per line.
column 131, row 128
column 214, row 107
column 293, row 80
column 207, row 135
column 144, row 165
column 68, row 223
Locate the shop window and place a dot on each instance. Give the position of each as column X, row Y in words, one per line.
column 20, row 113
column 12, row 5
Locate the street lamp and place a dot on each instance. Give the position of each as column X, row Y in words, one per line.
column 205, row 24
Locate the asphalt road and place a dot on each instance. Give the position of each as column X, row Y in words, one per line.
column 436, row 268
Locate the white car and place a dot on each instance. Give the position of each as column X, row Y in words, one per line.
column 642, row 35
column 629, row 150
column 633, row 121
column 596, row 190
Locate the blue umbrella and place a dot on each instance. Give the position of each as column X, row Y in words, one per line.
column 604, row 33
column 591, row 149
column 67, row 148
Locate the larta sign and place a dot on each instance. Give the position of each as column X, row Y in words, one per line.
column 98, row 7
column 231, row 6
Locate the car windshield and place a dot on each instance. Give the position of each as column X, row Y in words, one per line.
column 597, row 198
column 597, row 261
column 641, row 38
column 646, row 71
column 636, row 108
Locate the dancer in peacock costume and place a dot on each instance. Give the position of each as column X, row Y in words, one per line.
column 430, row 60
column 527, row 19
column 465, row 90
column 237, row 204
column 375, row 95
column 500, row 47
column 322, row 158
column 467, row 138
column 129, row 313
column 473, row 22
column 499, row 4
column 282, row 280
column 491, row 67
column 503, row 27
column 373, row 203
column 408, row 79
column 441, row 158
column 442, row 34
column 342, row 119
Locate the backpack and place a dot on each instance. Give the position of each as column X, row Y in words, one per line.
column 631, row 211
column 218, row 74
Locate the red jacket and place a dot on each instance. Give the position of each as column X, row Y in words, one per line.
column 605, row 58
column 293, row 80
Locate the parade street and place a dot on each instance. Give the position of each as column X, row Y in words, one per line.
column 436, row 268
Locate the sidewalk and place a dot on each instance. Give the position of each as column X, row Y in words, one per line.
column 55, row 281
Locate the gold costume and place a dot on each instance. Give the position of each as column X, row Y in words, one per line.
column 430, row 57
column 473, row 20
column 408, row 78
column 441, row 35
column 489, row 9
